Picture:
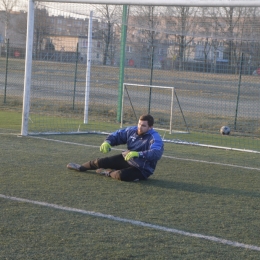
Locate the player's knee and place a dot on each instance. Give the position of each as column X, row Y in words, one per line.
column 94, row 164
column 91, row 165
column 116, row 175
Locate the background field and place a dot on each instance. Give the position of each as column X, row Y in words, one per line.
column 208, row 101
column 195, row 190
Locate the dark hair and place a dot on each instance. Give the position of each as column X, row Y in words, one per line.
column 147, row 118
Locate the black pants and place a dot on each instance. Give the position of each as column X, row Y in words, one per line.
column 123, row 171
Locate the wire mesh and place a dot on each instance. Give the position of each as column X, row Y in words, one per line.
column 196, row 50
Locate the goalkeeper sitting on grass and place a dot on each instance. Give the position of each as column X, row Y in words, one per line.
column 138, row 162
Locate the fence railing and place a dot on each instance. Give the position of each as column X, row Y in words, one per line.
column 209, row 96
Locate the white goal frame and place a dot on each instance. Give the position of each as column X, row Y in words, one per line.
column 240, row 3
column 30, row 31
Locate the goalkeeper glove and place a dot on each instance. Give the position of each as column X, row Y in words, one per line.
column 131, row 155
column 105, row 147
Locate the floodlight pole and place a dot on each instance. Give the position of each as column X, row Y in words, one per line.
column 28, row 68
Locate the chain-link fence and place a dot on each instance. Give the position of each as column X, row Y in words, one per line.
column 11, row 75
column 216, row 79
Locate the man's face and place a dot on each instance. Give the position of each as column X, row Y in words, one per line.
column 142, row 127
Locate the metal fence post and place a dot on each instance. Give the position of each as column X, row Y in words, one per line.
column 75, row 76
column 238, row 90
column 6, row 68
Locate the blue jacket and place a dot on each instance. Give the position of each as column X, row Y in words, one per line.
column 149, row 145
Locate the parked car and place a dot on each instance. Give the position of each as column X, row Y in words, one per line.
column 256, row 72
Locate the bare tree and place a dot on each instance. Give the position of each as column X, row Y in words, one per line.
column 110, row 17
column 251, row 37
column 148, row 21
column 207, row 28
column 256, row 36
column 229, row 24
column 7, row 6
column 20, row 24
column 235, row 27
column 42, row 27
column 183, row 23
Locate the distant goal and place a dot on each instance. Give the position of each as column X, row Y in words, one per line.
column 159, row 101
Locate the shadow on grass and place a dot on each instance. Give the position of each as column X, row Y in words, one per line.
column 197, row 188
column 193, row 187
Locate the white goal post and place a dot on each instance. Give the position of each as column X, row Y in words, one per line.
column 242, row 3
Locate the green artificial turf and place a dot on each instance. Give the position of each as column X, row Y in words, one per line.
column 199, row 197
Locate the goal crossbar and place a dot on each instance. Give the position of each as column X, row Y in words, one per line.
column 217, row 3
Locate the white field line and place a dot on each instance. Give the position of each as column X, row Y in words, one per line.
column 165, row 156
column 9, row 133
column 222, row 164
column 136, row 223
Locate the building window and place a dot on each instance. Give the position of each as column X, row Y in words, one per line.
column 129, row 48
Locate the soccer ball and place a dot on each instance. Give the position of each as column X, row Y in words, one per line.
column 225, row 130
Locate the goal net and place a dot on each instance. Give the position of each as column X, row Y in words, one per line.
column 210, row 55
column 159, row 101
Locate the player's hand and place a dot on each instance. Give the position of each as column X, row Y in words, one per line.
column 105, row 147
column 131, row 155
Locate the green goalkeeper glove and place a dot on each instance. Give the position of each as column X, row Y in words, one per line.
column 105, row 147
column 131, row 155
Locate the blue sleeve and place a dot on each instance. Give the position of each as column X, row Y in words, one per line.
column 155, row 150
column 118, row 137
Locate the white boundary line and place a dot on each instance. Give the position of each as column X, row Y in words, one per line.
column 136, row 223
column 222, row 164
column 165, row 156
